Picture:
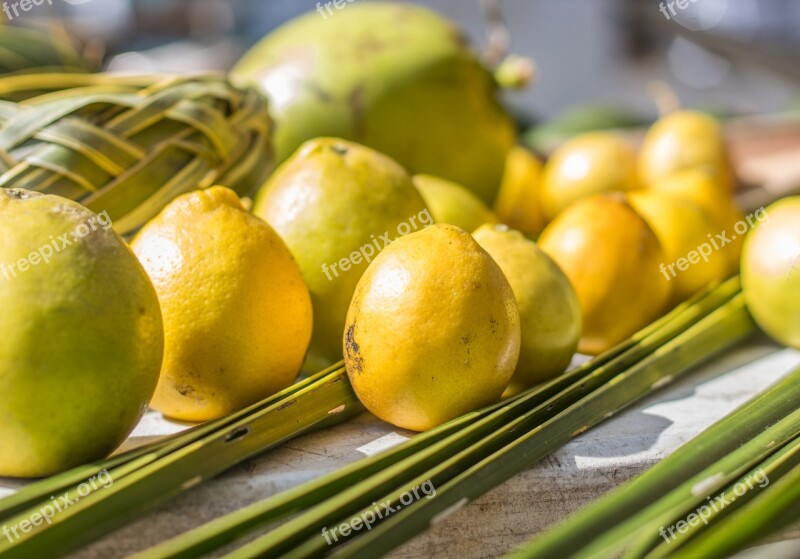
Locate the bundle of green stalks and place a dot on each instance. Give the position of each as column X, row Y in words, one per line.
column 127, row 146
column 150, row 475
column 468, row 456
column 462, row 459
column 733, row 485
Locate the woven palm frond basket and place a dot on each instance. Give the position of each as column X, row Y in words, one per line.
column 129, row 145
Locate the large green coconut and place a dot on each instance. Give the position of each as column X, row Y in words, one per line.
column 398, row 78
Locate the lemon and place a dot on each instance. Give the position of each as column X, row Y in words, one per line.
column 453, row 204
column 682, row 141
column 708, row 190
column 683, row 229
column 237, row 314
column 771, row 271
column 81, row 337
column 337, row 205
column 612, row 258
column 550, row 315
column 587, row 164
column 433, row 330
column 518, row 203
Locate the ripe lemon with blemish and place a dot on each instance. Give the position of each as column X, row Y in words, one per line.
column 237, row 313
column 433, row 330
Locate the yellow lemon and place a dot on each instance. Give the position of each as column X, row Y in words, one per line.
column 587, row 164
column 682, row 141
column 708, row 191
column 550, row 315
column 81, row 339
column 518, row 203
column 612, row 258
column 453, row 204
column 433, row 330
column 237, row 314
column 685, row 232
column 337, row 205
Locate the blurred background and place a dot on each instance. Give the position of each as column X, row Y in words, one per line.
column 727, row 56
column 599, row 64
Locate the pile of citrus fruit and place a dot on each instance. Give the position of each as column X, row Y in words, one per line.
column 402, row 231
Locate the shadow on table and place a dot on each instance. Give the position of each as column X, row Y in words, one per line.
column 643, row 428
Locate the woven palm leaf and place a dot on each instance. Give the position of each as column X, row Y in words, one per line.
column 25, row 50
column 128, row 146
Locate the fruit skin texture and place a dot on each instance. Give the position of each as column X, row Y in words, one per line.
column 327, row 202
column 681, row 141
column 81, row 338
column 237, row 315
column 550, row 315
column 433, row 331
column 518, row 203
column 708, row 190
column 395, row 77
column 453, row 204
column 682, row 227
column 771, row 272
column 587, row 164
column 612, row 259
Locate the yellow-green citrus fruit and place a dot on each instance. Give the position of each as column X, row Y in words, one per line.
column 550, row 315
column 518, row 203
column 612, row 258
column 337, row 205
column 237, row 314
column 682, row 141
column 396, row 77
column 771, row 271
column 684, row 231
column 433, row 330
column 453, row 204
column 81, row 339
column 708, row 190
column 587, row 164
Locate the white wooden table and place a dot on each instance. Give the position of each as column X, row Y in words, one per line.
column 587, row 467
